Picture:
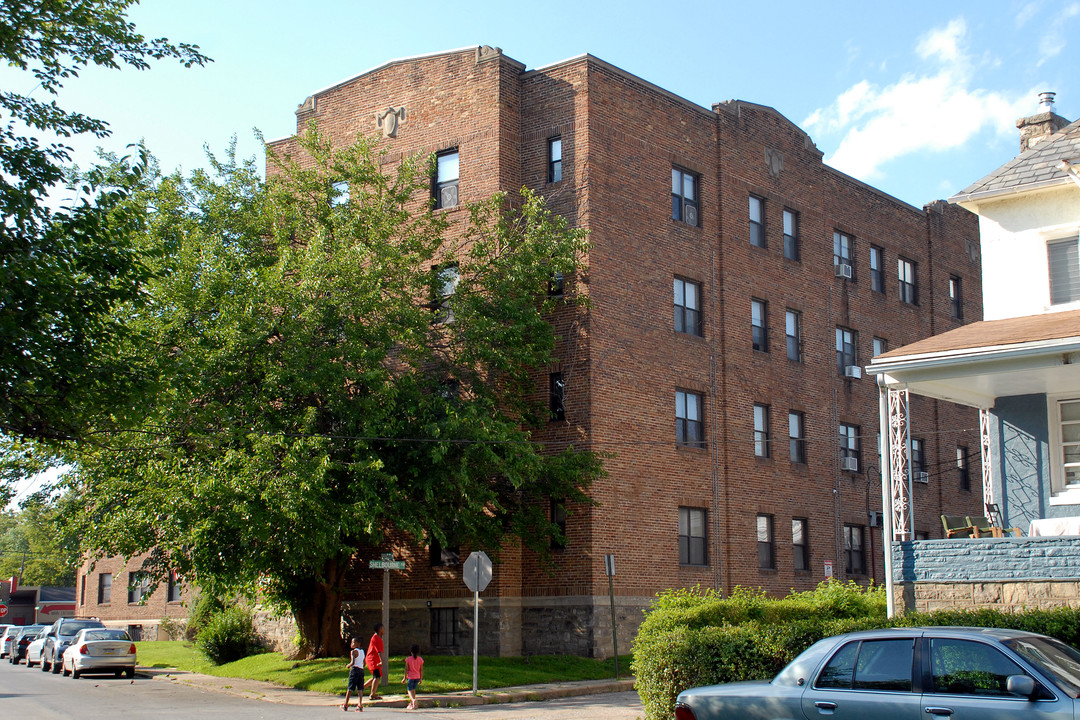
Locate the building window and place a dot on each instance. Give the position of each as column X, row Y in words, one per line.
column 558, row 519
column 104, row 588
column 797, row 436
column 692, row 536
column 791, row 234
column 1065, row 469
column 1063, row 258
column 800, row 543
column 444, row 627
column 909, row 289
column 918, row 458
column 339, row 193
column 843, row 254
column 446, row 282
column 962, row 467
column 757, row 221
column 956, row 301
column 138, row 586
column 854, row 552
column 556, row 397
column 759, row 316
column 687, row 307
column 554, row 159
column 850, row 454
column 446, row 179
column 556, row 285
column 766, row 551
column 761, row 431
column 793, row 333
column 846, row 355
column 688, row 419
column 443, row 556
column 881, row 346
column 877, row 269
column 684, row 203
column 174, row 588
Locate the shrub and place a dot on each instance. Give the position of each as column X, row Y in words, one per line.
column 228, row 635
column 205, row 606
column 173, row 628
column 691, row 637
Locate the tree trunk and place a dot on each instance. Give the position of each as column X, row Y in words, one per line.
column 319, row 620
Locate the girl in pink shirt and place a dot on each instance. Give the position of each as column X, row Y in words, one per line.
column 414, row 673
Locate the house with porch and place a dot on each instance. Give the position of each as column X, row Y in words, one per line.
column 1020, row 367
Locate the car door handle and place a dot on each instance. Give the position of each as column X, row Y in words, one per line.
column 823, row 705
column 939, row 711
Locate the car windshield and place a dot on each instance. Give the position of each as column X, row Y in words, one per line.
column 105, row 634
column 70, row 629
column 1053, row 657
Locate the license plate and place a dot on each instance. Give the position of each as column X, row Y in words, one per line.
column 109, row 651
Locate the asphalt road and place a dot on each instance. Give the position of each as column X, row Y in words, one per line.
column 43, row 696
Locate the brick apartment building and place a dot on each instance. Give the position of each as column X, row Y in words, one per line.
column 737, row 285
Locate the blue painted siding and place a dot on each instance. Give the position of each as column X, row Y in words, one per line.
column 987, row 559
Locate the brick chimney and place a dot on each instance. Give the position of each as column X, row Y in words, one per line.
column 1036, row 128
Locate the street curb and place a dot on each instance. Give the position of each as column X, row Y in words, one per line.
column 269, row 692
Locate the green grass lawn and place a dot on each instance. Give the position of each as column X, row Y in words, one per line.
column 442, row 673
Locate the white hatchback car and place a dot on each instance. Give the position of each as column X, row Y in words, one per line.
column 100, row 650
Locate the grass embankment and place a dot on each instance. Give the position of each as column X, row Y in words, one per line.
column 442, row 673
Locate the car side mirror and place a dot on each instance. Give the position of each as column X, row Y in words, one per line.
column 1021, row 685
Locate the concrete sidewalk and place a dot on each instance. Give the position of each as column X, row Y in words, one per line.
column 269, row 692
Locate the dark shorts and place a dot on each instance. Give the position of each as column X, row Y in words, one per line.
column 376, row 672
column 356, row 679
column 414, row 683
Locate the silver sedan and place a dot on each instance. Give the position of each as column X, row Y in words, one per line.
column 99, row 650
column 909, row 673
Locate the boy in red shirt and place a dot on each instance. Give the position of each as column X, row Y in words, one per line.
column 374, row 660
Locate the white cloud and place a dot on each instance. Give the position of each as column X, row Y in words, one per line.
column 1053, row 41
column 1026, row 13
column 937, row 110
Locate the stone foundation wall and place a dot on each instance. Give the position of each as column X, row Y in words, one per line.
column 508, row 626
column 278, row 633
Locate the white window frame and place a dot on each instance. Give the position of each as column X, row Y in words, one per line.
column 1059, row 494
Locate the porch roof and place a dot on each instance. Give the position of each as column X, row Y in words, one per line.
column 977, row 363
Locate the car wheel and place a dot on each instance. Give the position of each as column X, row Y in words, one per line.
column 75, row 674
column 130, row 672
column 44, row 665
column 56, row 667
column 64, row 671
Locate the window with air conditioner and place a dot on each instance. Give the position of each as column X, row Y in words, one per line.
column 846, row 347
column 850, row 450
column 445, row 183
column 684, row 196
column 843, row 255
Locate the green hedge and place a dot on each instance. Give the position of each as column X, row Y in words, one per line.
column 691, row 637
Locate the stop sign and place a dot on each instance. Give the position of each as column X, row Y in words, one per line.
column 3, row 610
column 477, row 571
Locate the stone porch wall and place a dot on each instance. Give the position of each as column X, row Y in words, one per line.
column 1007, row 574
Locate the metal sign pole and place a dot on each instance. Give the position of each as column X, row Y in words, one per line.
column 476, row 639
column 386, row 627
column 609, row 568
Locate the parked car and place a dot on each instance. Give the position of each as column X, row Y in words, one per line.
column 36, row 649
column 104, row 650
column 9, row 633
column 27, row 634
column 59, row 636
column 989, row 674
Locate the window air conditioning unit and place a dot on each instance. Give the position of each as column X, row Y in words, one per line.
column 875, row 518
column 853, row 371
column 843, row 270
column 849, row 463
column 922, row 477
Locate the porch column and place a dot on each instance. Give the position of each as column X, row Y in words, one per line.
column 984, row 450
column 900, row 480
column 886, row 492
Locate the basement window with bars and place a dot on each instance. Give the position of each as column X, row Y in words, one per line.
column 444, row 627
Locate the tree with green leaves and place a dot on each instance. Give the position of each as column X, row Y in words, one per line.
column 333, row 364
column 32, row 548
column 63, row 270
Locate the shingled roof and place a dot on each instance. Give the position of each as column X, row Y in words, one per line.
column 1029, row 170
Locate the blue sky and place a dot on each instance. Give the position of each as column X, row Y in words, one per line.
column 917, row 98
